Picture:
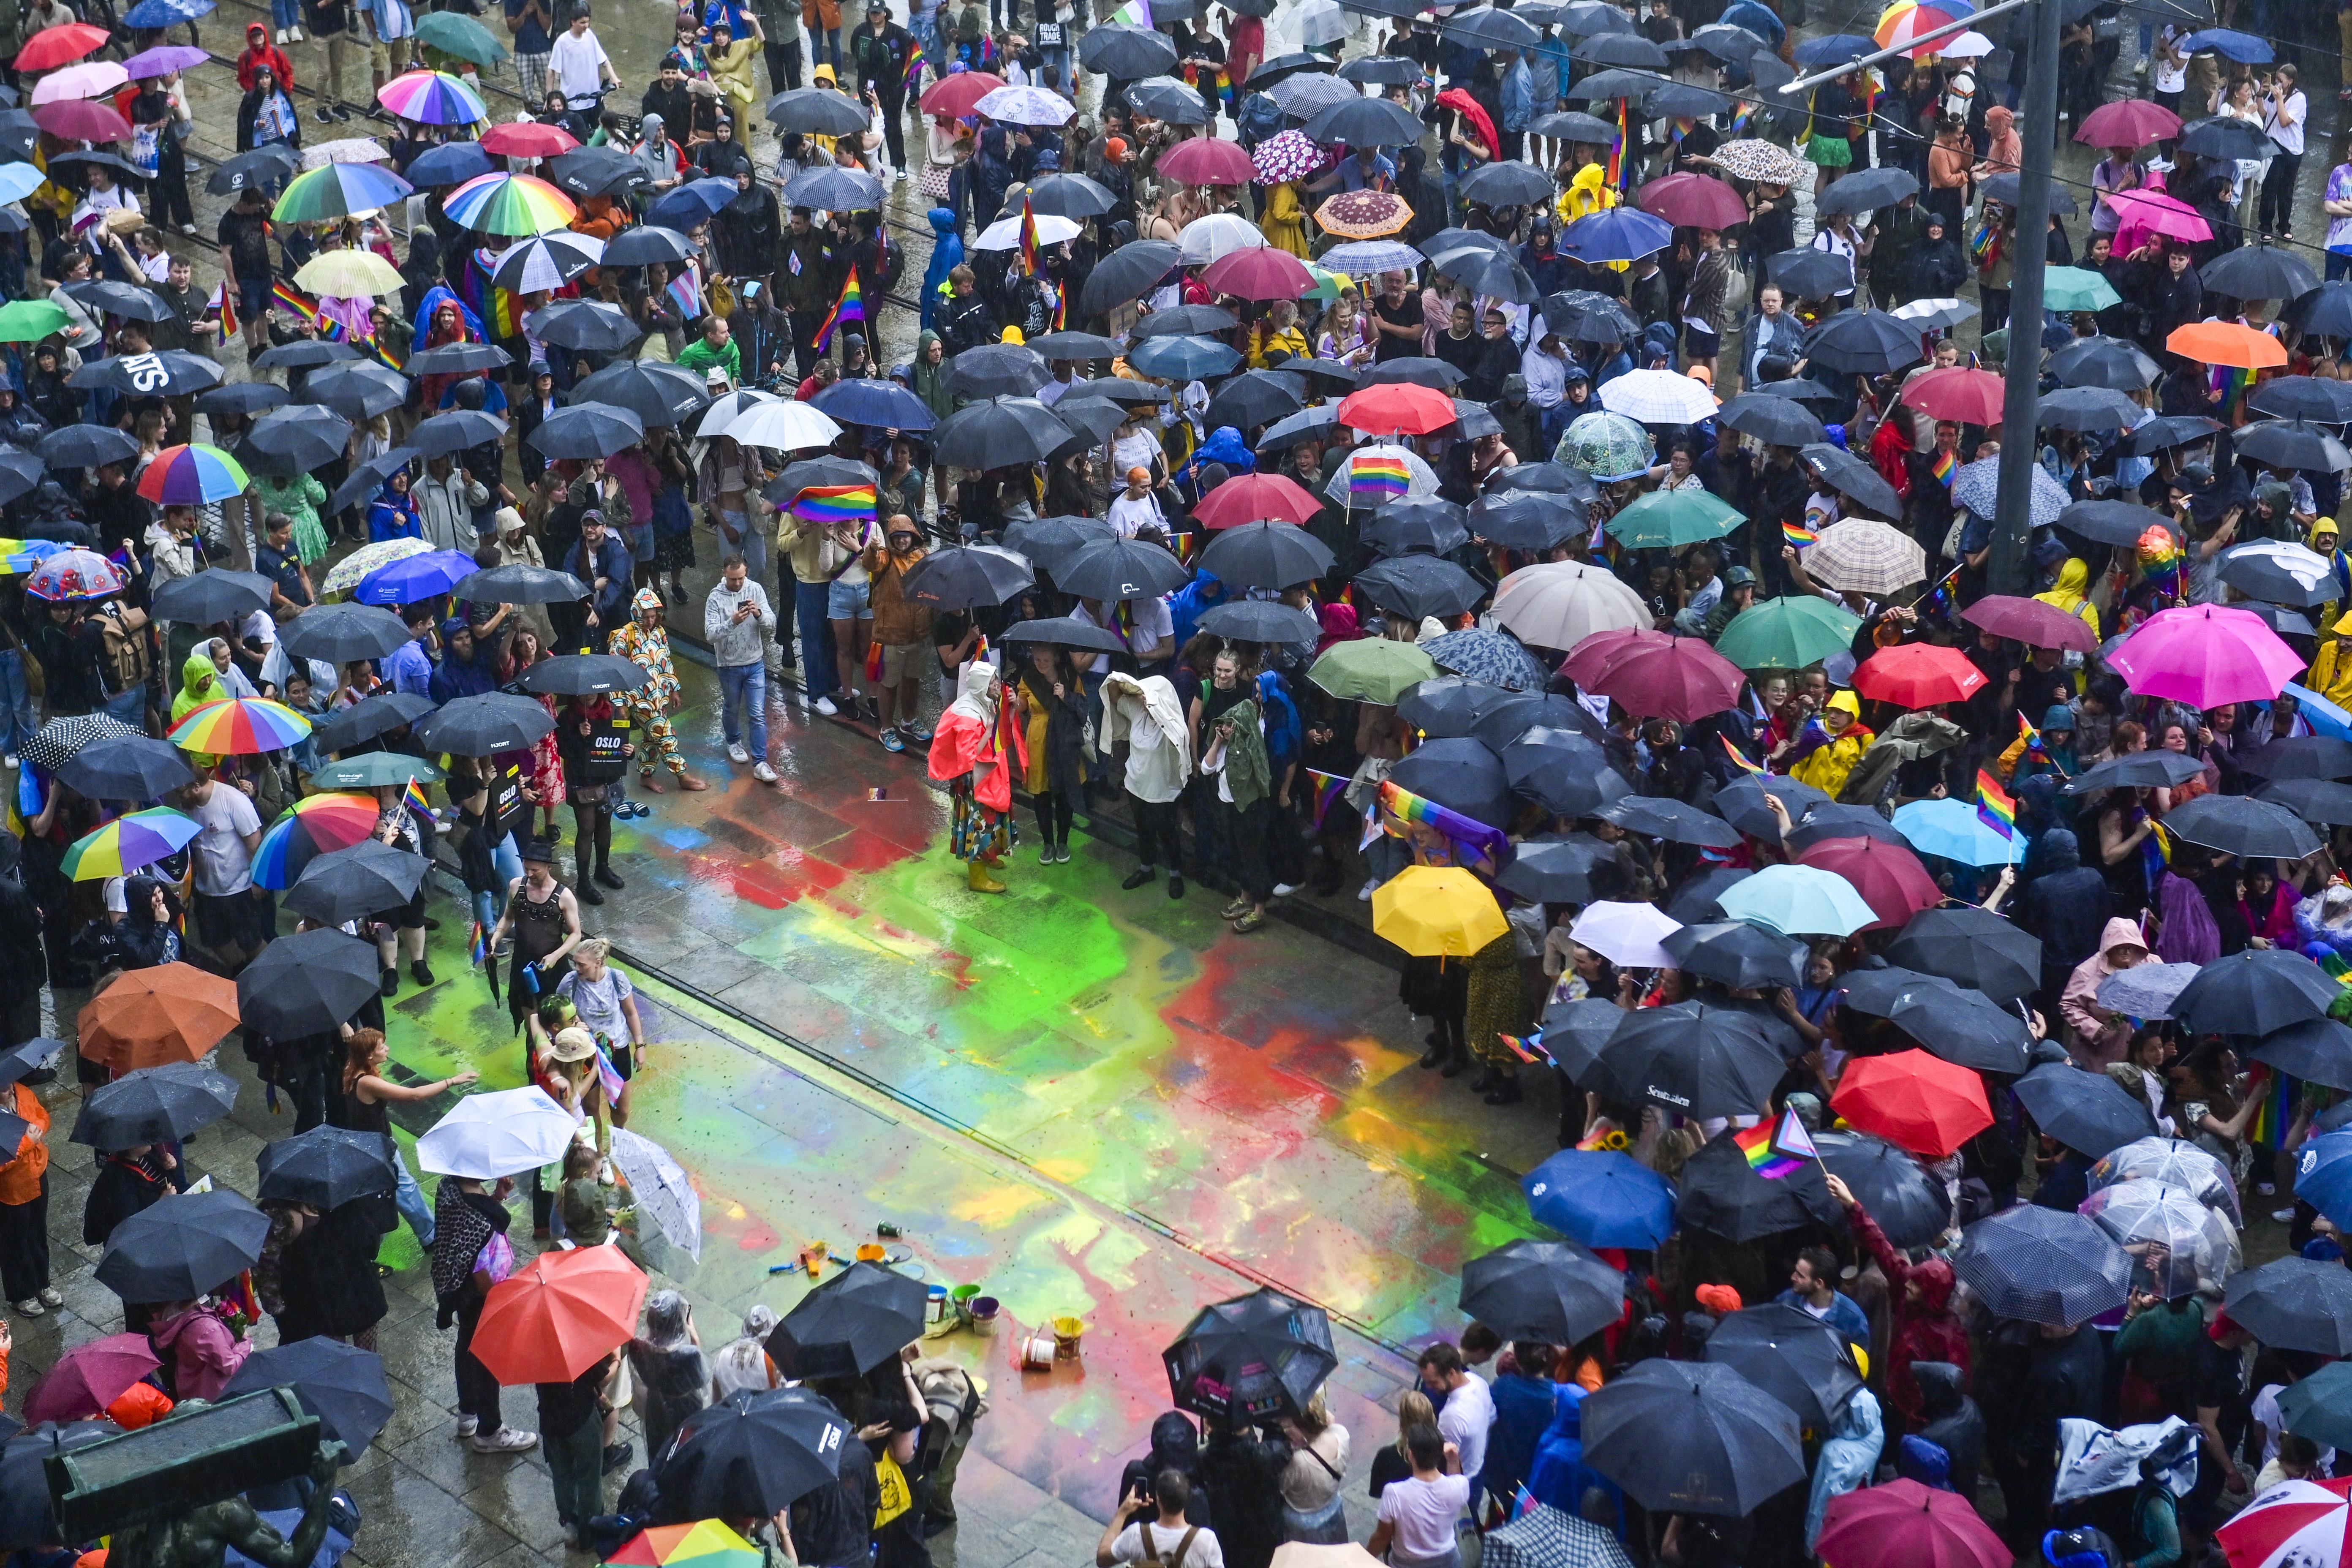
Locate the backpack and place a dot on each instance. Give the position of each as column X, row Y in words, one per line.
column 1259, row 118
column 124, row 657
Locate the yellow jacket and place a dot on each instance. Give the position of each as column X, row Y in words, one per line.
column 2331, row 673
column 1267, row 341
column 1827, row 767
column 1588, row 193
column 1283, row 222
column 731, row 69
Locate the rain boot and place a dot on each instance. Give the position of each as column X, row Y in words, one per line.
column 583, row 885
column 977, row 879
column 604, row 853
column 1457, row 1052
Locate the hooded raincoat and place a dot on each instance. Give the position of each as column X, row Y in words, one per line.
column 2099, row 1037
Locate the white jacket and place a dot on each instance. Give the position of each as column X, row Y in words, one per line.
column 1147, row 710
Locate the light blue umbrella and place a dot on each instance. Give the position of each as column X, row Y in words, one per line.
column 1618, row 234
column 2324, row 716
column 1362, row 257
column 1494, row 657
column 1798, row 900
column 1181, row 357
column 1952, row 830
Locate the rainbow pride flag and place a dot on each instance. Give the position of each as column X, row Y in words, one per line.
column 1329, row 788
column 413, row 798
column 849, row 305
column 1028, row 237
column 1944, row 465
column 2033, row 739
column 1740, row 758
column 478, row 944
column 1375, row 478
column 1612, row 173
column 1798, row 534
column 1406, row 807
column 1995, row 808
column 835, row 503
column 1777, row 1150
column 915, row 59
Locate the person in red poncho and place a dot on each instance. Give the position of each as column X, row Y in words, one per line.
column 970, row 751
column 1926, row 1328
column 259, row 51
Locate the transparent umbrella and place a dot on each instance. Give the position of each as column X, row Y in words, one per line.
column 2176, row 1162
column 2176, row 1244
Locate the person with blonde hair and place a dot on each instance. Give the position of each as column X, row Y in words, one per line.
column 607, row 1005
column 1394, row 1462
column 1311, row 1507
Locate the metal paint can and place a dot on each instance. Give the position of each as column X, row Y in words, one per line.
column 1037, row 1354
column 1066, row 1333
column 935, row 1305
column 983, row 1314
column 962, row 1296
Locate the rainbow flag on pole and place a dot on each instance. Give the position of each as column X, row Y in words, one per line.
column 1028, row 237
column 835, row 503
column 1377, row 477
column 1995, row 806
column 1739, row 758
column 1798, row 534
column 914, row 77
column 1406, row 807
column 1777, row 1150
column 849, row 305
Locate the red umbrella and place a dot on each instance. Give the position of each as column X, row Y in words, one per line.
column 1905, row 1525
column 1888, row 877
column 2128, row 122
column 1260, row 272
column 1917, row 675
column 2032, row 622
column 554, row 1320
column 1205, row 161
column 1960, row 392
column 89, row 1377
column 1459, row 101
column 1914, row 1100
column 1658, row 676
column 954, row 95
column 528, row 139
column 1246, row 497
column 54, row 47
column 1692, row 201
column 81, row 119
column 1397, row 408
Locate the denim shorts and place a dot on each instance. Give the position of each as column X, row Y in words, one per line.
column 846, row 601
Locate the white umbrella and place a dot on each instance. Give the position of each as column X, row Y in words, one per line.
column 1425, row 477
column 346, row 150
column 497, row 1134
column 1004, row 233
column 784, row 426
column 1025, row 106
column 1968, row 46
column 1627, row 936
column 1658, row 397
column 1321, row 22
column 546, row 262
column 1219, row 235
column 91, row 79
column 723, row 413
column 660, row 1187
column 1558, row 604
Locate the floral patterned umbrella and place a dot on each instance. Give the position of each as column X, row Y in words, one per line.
column 1363, row 215
column 366, row 559
column 1286, row 155
column 1751, row 159
column 1606, row 445
column 74, row 575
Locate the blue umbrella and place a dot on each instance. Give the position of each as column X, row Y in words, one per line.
column 1834, row 50
column 1363, row 258
column 166, row 12
column 691, row 203
column 882, row 404
column 1181, row 357
column 1601, row 1198
column 2324, row 716
column 2323, row 1175
column 1619, row 234
column 2243, row 47
column 416, row 578
column 450, row 164
column 1977, row 487
column 1490, row 657
column 1952, row 830
column 1758, row 19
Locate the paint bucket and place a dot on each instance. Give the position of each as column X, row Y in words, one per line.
column 962, row 1296
column 869, row 1252
column 1066, row 1333
column 983, row 1314
column 935, row 1305
column 1037, row 1354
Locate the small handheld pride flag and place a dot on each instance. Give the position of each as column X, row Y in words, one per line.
column 1740, row 758
column 1800, row 535
column 849, row 305
column 1378, row 477
column 1777, row 1150
column 1944, row 465
column 475, row 944
column 835, row 503
column 1995, row 808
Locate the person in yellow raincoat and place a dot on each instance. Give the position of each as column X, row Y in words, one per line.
column 731, row 69
column 2331, row 672
column 2069, row 595
column 2323, row 542
column 1278, row 334
column 1284, row 220
column 1828, row 748
column 1587, row 194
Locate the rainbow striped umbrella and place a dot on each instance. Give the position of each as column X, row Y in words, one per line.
column 1902, row 23
column 709, row 1543
column 129, row 843
column 509, row 204
column 239, row 726
column 21, row 555
column 432, row 98
column 312, row 826
column 338, row 190
column 191, row 476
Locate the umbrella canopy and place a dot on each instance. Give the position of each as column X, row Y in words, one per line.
column 1864, row 555
column 1655, row 675
column 2319, row 1050
column 1908, row 1207
column 1788, row 633
column 1555, row 1292
column 2205, row 655
column 853, row 1322
column 2146, row 991
column 326, row 1167
column 311, row 825
column 496, row 1134
column 89, row 1377
column 2240, row 825
column 174, row 1012
column 2295, row 1304
column 1496, row 658
column 310, row 982
column 1695, row 1057
column 2176, row 1162
column 1436, row 911
column 2029, row 621
column 2086, row 1111
column 480, row 726
column 2255, row 991
column 1419, row 586
column 963, row 576
column 2177, row 1244
column 1573, row 870
column 1659, row 816
column 1974, row 947
column 1258, row 1355
column 183, row 1246
column 2300, row 757
column 661, row 1189
column 1630, row 935
column 2043, row 1266
column 154, row 1105
column 341, row 1385
column 1914, row 1099
column 1601, row 1197
column 755, row 1453
column 1791, row 1355
column 1558, row 604
column 558, row 1315
column 128, row 843
column 1694, row 1437
column 1372, row 670
column 1904, row 1524
column 1890, row 879
column 1266, row 555
column 1918, row 675
column 1739, row 955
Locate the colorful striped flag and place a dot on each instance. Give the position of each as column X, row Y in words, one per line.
column 1777, row 1150
column 413, row 798
column 1995, row 808
column 1329, row 788
column 914, row 77
column 849, row 305
column 1028, row 237
column 1798, row 534
column 1739, row 758
column 1406, row 807
column 1529, row 1049
column 835, row 503
column 478, row 943
column 1378, row 477
column 223, row 306
column 1944, row 465
column 2033, row 739
column 1612, row 172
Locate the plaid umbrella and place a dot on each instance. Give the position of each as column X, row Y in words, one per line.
column 1362, row 257
column 57, row 741
column 1543, row 1537
column 1865, row 556
column 1304, row 97
column 1363, row 215
column 1751, row 158
column 1658, row 397
column 1977, row 487
column 1286, row 155
column 1606, row 445
column 1489, row 657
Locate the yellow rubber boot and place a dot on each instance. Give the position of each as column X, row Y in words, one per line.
column 978, row 879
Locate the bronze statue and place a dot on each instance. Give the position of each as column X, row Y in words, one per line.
column 201, row 1537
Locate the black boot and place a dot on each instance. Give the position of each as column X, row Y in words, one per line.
column 1436, row 1052
column 1506, row 1091
column 582, row 886
column 1457, row 1056
column 1485, row 1080
column 605, row 852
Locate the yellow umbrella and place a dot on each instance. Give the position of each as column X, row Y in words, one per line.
column 349, row 275
column 1437, row 911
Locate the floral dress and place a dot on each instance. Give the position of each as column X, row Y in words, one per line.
column 547, row 765
column 649, row 707
column 299, row 498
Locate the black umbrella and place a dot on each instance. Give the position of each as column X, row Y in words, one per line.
column 2254, row 993
column 305, row 353
column 1675, row 821
column 154, row 1105
column 1507, row 186
column 588, row 430
column 1127, row 53
column 326, row 1167
column 1616, row 82
column 337, row 634
column 1695, row 1057
column 1486, row 28
column 1739, row 955
column 1265, row 554
column 2319, row 1049
column 341, row 1385
column 2327, row 401
column 2116, row 363
column 2300, row 757
column 1909, row 1208
column 1721, row 1194
column 182, row 1245
column 453, row 430
column 1821, row 823
column 1113, row 569
column 88, row 447
column 1255, row 397
column 104, row 296
column 1867, row 342
column 2003, row 188
column 2314, row 800
column 1429, row 527
column 307, row 983
column 584, row 675
column 1528, row 520
column 1417, row 370
column 2242, row 825
column 853, row 1322
column 28, row 1519
column 1419, row 586
column 1555, row 1292
column 1879, row 992
column 656, row 393
column 1128, row 273
column 360, row 389
column 1700, row 898
column 1574, row 125
column 2045, row 1266
column 2255, row 570
column 1065, row 631
column 1692, row 1438
column 2291, row 444
column 1975, row 947
column 1578, row 869
column 1526, row 711
column 468, row 359
column 1046, row 539
column 1255, row 1356
column 367, row 478
column 1575, row 1032
column 1967, row 1029
column 520, row 584
column 966, row 576
column 128, row 767
column 1070, row 196
column 1461, row 775
column 996, row 370
column 1791, row 1354
column 2085, row 408
column 164, row 373
column 2138, row 770
column 2173, row 430
column 1055, row 346
column 217, row 595
column 589, row 326
column 1186, row 320
column 1365, row 122
column 1811, row 274
column 2087, row 1112
column 753, row 1454
column 1779, row 421
column 266, row 168
column 999, row 433
column 367, row 878
column 370, row 717
column 2325, row 312
column 295, row 439
column 2294, row 1304
column 1259, row 621
column 32, row 1057
column 1866, row 190
column 2257, row 271
column 645, row 243
column 815, row 111
column 815, row 473
column 480, row 726
column 1741, row 802
column 1564, row 771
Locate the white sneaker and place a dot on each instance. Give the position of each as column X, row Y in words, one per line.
column 763, row 773
column 281, row 35
column 899, row 174
column 2283, row 1216
column 825, row 706
column 294, row 35
column 52, row 1297
column 30, row 1307
column 736, row 753
column 1364, row 893
column 1284, row 889
column 505, row 1440
column 468, row 1426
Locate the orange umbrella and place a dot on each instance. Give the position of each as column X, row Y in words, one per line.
column 1914, row 1100
column 2227, row 342
column 553, row 1320
column 173, row 1013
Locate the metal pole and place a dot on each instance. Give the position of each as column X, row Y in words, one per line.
column 2013, row 525
column 1964, row 24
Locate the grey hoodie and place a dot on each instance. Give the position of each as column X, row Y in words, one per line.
column 731, row 642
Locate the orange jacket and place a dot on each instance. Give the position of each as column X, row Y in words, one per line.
column 20, row 1178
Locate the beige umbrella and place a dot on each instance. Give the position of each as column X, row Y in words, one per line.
column 1558, row 604
column 1864, row 555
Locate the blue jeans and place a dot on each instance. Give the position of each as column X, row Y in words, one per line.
column 15, row 702
column 742, row 685
column 130, row 706
column 285, row 14
column 486, row 912
column 409, row 1199
column 809, row 602
column 507, row 860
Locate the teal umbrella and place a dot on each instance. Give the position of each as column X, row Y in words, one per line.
column 1797, row 901
column 2076, row 289
column 461, row 35
column 1786, row 634
column 1670, row 519
column 1952, row 830
column 369, row 769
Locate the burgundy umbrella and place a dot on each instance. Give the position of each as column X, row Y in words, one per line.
column 2031, row 621
column 1692, row 201
column 1888, row 877
column 1205, row 161
column 1906, row 1525
column 1260, row 273
column 82, row 120
column 87, row 1378
column 1658, row 676
column 2128, row 122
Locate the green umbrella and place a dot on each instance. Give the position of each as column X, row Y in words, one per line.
column 370, row 769
column 1786, row 634
column 1666, row 519
column 1372, row 670
column 461, row 35
column 2076, row 289
column 30, row 321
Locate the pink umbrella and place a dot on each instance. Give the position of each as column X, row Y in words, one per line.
column 1202, row 160
column 2128, row 122
column 1656, row 676
column 89, row 1377
column 2147, row 214
column 81, row 119
column 2206, row 655
column 85, row 80
column 1259, row 273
